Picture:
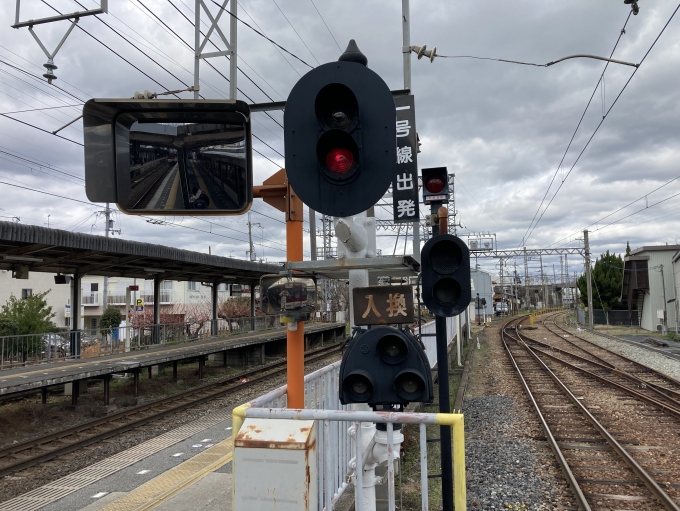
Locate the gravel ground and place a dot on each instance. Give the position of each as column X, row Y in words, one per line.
column 509, row 465
column 649, row 358
column 503, row 470
column 33, row 477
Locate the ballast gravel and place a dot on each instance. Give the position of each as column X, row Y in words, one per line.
column 644, row 356
column 503, row 470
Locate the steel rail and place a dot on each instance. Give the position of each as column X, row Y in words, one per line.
column 667, row 394
column 614, row 338
column 228, row 385
column 148, row 192
column 561, row 460
column 648, row 481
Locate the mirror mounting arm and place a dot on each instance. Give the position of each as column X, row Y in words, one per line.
column 276, row 191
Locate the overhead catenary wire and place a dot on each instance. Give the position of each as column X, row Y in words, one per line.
column 240, row 6
column 40, row 129
column 620, row 209
column 296, row 32
column 262, row 35
column 607, row 114
column 39, row 109
column 114, row 52
column 327, row 28
column 559, row 166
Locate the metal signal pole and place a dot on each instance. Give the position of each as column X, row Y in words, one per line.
column 589, row 282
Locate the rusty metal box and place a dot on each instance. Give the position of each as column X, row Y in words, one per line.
column 275, row 466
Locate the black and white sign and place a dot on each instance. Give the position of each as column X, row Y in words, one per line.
column 405, row 184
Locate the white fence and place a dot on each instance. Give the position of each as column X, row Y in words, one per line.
column 339, row 438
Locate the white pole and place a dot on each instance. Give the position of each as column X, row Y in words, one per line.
column 197, row 45
column 232, row 42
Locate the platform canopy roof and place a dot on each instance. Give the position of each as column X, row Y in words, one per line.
column 57, row 251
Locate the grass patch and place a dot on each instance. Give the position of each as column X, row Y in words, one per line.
column 408, row 487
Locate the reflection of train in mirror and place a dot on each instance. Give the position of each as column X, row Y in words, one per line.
column 226, row 168
column 289, row 296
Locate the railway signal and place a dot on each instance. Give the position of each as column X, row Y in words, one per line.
column 435, row 185
column 445, row 267
column 385, row 366
column 340, row 135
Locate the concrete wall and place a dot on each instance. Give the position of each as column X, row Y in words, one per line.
column 653, row 301
column 481, row 283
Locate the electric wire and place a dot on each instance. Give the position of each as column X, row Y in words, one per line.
column 46, row 93
column 606, row 115
column 28, row 104
column 119, row 34
column 39, row 109
column 41, row 129
column 49, row 168
column 296, row 32
column 277, row 49
column 559, row 166
column 262, row 35
column 41, row 70
column 40, row 78
column 327, row 28
column 115, row 52
column 620, row 209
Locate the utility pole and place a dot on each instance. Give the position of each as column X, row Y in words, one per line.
column 406, row 53
column 664, row 328
column 250, row 239
column 545, row 296
column 586, row 246
column 107, row 228
column 312, row 233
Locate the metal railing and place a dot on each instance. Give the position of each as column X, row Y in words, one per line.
column 89, row 297
column 22, row 350
column 339, row 441
column 167, row 296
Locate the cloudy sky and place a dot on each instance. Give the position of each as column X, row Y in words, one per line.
column 502, row 128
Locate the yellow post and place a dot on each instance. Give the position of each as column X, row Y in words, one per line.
column 457, row 421
column 238, row 415
column 460, row 499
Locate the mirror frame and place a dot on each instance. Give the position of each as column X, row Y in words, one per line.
column 107, row 123
column 285, row 276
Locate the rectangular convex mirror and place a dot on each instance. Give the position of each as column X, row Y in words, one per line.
column 281, row 295
column 169, row 157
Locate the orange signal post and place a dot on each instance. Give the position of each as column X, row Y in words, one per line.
column 277, row 192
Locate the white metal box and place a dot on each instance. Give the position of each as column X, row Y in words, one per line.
column 275, row 466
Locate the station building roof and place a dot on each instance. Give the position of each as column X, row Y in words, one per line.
column 57, row 251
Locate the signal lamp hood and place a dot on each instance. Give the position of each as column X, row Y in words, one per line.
column 353, row 54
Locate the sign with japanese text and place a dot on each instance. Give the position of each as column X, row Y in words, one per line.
column 405, row 184
column 383, row 305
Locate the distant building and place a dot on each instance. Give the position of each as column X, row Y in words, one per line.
column 481, row 284
column 177, row 298
column 643, row 288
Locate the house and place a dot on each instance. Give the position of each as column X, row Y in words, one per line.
column 650, row 287
column 177, row 298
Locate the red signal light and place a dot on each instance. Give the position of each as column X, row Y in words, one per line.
column 339, row 160
column 435, row 184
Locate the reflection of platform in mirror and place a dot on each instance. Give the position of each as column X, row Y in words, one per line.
column 193, row 166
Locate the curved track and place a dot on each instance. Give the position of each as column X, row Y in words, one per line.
column 601, row 463
column 21, row 456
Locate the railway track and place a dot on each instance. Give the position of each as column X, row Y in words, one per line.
column 27, row 454
column 597, row 447
column 154, row 178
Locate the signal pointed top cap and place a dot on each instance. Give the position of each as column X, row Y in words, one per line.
column 353, row 54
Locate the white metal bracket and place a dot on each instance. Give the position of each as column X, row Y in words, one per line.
column 75, row 16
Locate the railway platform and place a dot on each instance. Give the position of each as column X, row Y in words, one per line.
column 44, row 375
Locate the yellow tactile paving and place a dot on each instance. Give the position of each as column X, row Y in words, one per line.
column 168, row 484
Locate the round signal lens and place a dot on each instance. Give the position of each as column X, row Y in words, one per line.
column 360, row 386
column 392, row 349
column 339, row 160
column 435, row 184
column 410, row 384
